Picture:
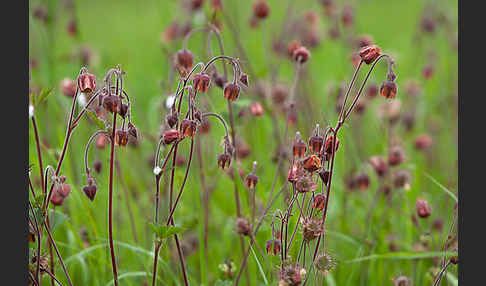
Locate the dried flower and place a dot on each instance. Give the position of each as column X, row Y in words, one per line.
column 170, row 136
column 312, row 163
column 311, row 228
column 299, row 148
column 319, row 201
column 304, row 184
column 231, row 91
column 290, row 276
column 188, row 128
column 423, row 208
column 370, row 53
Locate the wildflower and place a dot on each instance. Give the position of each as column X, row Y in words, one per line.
column 86, row 83
column 423, row 208
column 219, row 79
column 347, row 16
column 256, row 109
column 329, row 144
column 90, row 189
column 171, row 119
column 251, row 180
column 402, row 179
column 132, row 130
column 304, row 184
column 243, row 226
column 290, row 275
column 396, row 155
column 231, row 91
column 122, row 110
column 324, row 175
column 97, row 166
column 379, row 165
column 301, row 55
column 224, row 160
column 121, row 137
column 261, row 9
column 299, row 148
column 188, row 128
column 294, row 173
column 324, row 262
column 101, row 141
column 170, row 136
column 111, row 103
column 201, row 82
column 311, row 228
column 312, row 163
column 423, row 141
column 244, row 79
column 60, row 193
column 292, row 47
column 362, row 181
column 364, row 41
column 372, row 90
column 369, row 54
column 388, row 89
column 185, row 60
column 402, row 281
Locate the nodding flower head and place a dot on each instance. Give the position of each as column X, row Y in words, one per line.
column 121, row 137
column 299, row 148
column 59, row 193
column 316, row 141
column 219, row 79
column 170, row 136
column 132, row 130
column 329, row 143
column 388, row 89
column 256, row 109
column 201, row 82
column 301, row 55
column 97, row 166
column 231, row 91
column 224, row 160
column 86, row 83
column 324, row 175
column 273, row 246
column 370, row 53
column 111, row 103
column 319, row 201
column 185, row 60
column 188, row 128
column 251, row 180
column 90, row 189
column 423, row 141
column 295, row 172
column 396, row 155
column 401, row 179
column 423, row 208
column 171, row 119
column 402, row 281
column 372, row 90
column 122, row 110
column 242, row 226
column 261, row 9
column 244, row 79
column 311, row 228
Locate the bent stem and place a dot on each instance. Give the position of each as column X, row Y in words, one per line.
column 110, row 204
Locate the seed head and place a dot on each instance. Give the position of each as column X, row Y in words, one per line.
column 170, row 136
column 231, row 91
column 304, row 184
column 423, row 208
column 311, row 228
column 324, row 262
column 188, row 128
column 201, row 82
column 121, row 137
column 319, row 201
column 370, row 53
column 87, row 83
column 290, row 276
column 388, row 89
column 68, row 87
column 224, row 160
column 295, row 171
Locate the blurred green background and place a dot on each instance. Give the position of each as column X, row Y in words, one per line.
column 129, row 33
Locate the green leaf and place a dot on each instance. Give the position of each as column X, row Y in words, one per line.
column 164, row 231
column 96, row 120
column 402, row 255
column 42, row 96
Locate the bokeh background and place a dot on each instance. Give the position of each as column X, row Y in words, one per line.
column 372, row 236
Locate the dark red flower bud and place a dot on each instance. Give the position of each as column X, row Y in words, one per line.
column 242, row 226
column 315, row 143
column 171, row 120
column 251, row 181
column 97, row 166
column 68, row 87
column 299, row 147
column 312, row 163
column 319, row 201
column 231, row 91
column 170, row 136
column 261, row 9
column 123, row 110
column 219, row 79
column 454, row 260
column 277, row 246
column 90, row 190
column 59, row 193
column 423, row 208
column 372, row 90
column 428, row 71
column 388, row 89
column 111, row 103
column 362, row 181
column 379, row 165
column 72, row 28
column 121, row 137
column 201, row 82
column 324, row 175
column 370, row 53
column 301, row 55
column 423, row 141
column 185, row 60
column 292, row 47
column 196, row 4
column 396, row 156
column 224, row 160
column 329, row 143
column 87, row 83
column 256, row 109
column 188, row 128
column 244, row 79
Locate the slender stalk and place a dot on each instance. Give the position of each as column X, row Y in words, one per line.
column 39, row 155
column 110, row 203
column 51, row 239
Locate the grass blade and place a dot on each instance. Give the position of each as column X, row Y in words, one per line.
column 451, row 194
column 401, row 255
